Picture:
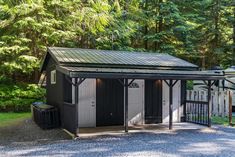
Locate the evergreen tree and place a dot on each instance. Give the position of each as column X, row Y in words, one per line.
column 200, row 31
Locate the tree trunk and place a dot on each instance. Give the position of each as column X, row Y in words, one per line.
column 215, row 40
column 233, row 57
column 156, row 45
column 145, row 40
column 217, row 23
column 160, row 24
column 146, row 28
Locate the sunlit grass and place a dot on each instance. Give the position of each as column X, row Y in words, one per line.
column 222, row 120
column 7, row 119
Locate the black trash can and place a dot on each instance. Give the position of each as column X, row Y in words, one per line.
column 45, row 116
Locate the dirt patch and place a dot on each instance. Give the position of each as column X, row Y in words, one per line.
column 26, row 132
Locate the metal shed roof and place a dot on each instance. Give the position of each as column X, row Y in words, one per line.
column 89, row 63
column 119, row 59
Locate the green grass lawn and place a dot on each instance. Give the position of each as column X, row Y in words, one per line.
column 11, row 118
column 222, row 120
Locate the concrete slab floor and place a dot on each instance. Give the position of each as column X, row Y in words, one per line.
column 157, row 128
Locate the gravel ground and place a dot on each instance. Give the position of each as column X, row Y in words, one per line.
column 26, row 132
column 219, row 141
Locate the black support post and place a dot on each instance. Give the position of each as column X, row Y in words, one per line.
column 76, row 86
column 230, row 108
column 171, row 84
column 170, row 104
column 209, row 103
column 76, row 108
column 183, row 99
column 126, row 85
column 126, row 104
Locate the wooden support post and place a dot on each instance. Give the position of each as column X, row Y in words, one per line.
column 170, row 104
column 230, row 108
column 76, row 85
column 126, row 104
column 183, row 99
column 171, row 84
column 209, row 103
column 76, row 108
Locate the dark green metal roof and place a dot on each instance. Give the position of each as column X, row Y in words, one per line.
column 108, row 58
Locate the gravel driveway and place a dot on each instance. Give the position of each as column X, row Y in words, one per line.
column 220, row 141
column 26, row 132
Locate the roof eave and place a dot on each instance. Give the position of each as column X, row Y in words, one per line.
column 143, row 76
column 137, row 75
column 189, row 68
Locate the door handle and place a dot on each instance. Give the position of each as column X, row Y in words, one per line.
column 93, row 105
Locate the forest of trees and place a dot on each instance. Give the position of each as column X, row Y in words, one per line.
column 200, row 31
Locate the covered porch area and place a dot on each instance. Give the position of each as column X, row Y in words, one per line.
column 193, row 112
column 146, row 128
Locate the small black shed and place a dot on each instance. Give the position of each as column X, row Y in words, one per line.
column 79, row 79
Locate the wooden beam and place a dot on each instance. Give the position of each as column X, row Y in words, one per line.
column 131, row 82
column 167, row 83
column 230, row 108
column 76, row 108
column 207, row 83
column 120, row 81
column 77, row 83
column 209, row 103
column 230, row 81
column 126, row 104
column 125, row 85
column 171, row 84
column 170, row 103
column 174, row 83
column 183, row 98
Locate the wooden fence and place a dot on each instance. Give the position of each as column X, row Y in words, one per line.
column 220, row 100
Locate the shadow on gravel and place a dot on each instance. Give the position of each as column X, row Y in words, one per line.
column 218, row 142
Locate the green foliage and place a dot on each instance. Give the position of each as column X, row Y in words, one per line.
column 199, row 31
column 189, row 85
column 18, row 97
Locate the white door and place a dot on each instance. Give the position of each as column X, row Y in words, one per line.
column 87, row 103
column 136, row 102
column 176, row 102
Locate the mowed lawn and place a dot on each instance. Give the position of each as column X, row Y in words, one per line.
column 7, row 119
column 222, row 120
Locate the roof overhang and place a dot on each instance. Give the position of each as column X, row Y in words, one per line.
column 117, row 73
column 229, row 74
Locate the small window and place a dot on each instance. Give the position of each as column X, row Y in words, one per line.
column 53, row 77
column 134, row 85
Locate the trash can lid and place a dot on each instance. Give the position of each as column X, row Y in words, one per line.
column 37, row 103
column 45, row 106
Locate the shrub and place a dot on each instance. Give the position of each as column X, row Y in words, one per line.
column 189, row 85
column 18, row 97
